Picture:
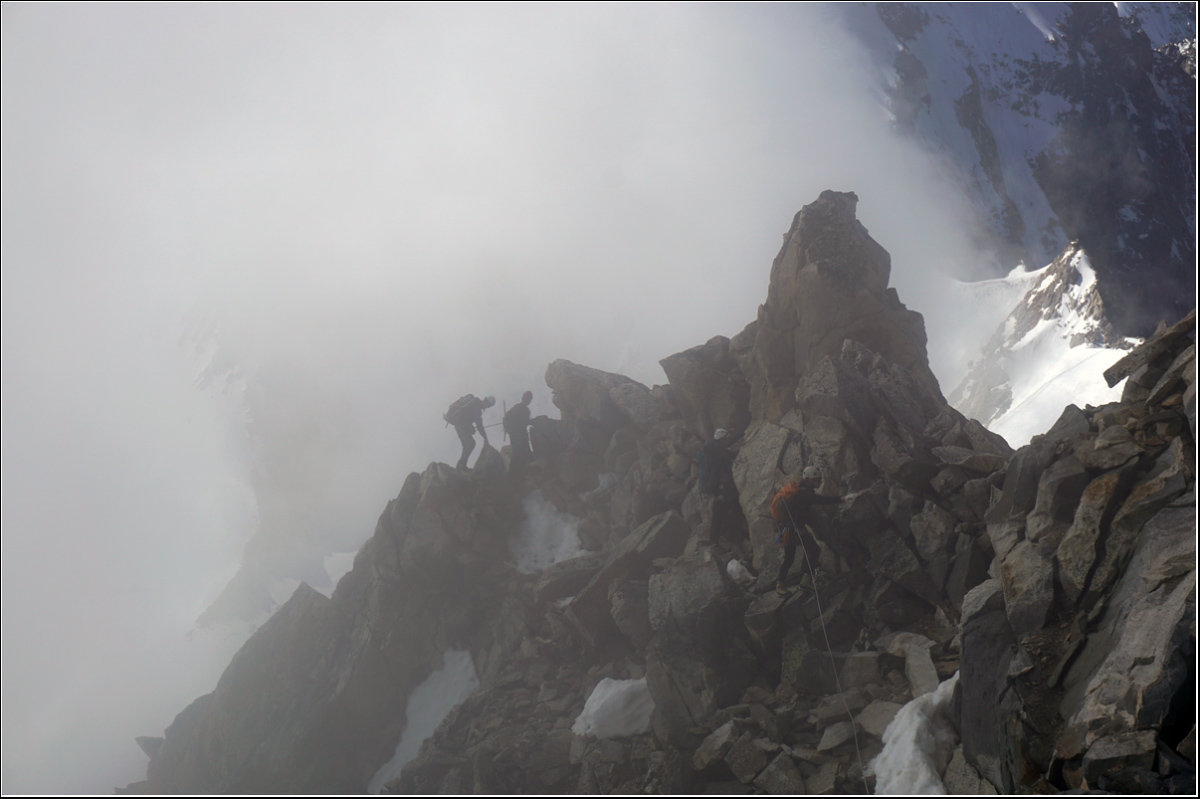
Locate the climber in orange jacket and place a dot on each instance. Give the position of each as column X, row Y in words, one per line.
column 794, row 507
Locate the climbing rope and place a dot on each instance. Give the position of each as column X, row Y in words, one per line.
column 829, row 647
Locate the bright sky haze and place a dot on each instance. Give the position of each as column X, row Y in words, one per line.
column 252, row 252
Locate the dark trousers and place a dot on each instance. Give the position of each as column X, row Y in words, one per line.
column 466, row 434
column 520, row 448
column 720, row 514
column 790, row 539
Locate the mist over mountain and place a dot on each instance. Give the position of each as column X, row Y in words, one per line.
column 1006, row 98
column 251, row 254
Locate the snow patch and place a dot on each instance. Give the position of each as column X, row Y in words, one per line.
column 616, row 709
column 428, row 704
column 547, row 536
column 1070, row 376
column 737, row 572
column 1034, row 14
column 918, row 745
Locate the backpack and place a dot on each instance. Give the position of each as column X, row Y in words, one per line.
column 460, row 410
column 779, row 509
column 514, row 417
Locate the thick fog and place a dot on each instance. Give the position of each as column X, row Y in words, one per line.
column 251, row 253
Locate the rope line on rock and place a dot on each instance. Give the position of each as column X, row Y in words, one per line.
column 828, row 647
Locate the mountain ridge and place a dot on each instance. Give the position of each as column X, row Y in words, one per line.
column 944, row 544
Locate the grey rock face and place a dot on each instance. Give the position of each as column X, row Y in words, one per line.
column 709, row 388
column 829, row 284
column 1086, row 638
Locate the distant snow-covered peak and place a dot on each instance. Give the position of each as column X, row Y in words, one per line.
column 1062, row 295
column 1049, row 351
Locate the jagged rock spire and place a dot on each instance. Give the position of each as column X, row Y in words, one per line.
column 829, row 284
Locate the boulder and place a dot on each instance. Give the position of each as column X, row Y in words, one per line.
column 860, row 669
column 893, row 560
column 697, row 660
column 1006, row 516
column 748, row 756
column 781, row 777
column 1166, row 341
column 901, row 461
column 961, row 778
column 664, row 535
column 1130, row 670
column 756, row 475
column 1076, row 553
column 710, row 390
column 1072, row 423
column 1028, row 580
column 690, row 597
column 988, row 647
column 566, row 578
column 1169, row 478
column 584, row 394
column 876, row 717
column 712, row 750
column 972, row 555
column 637, row 403
column 1112, row 447
column 835, row 735
column 970, row 460
column 807, row 667
column 933, row 531
column 918, row 664
column 1110, row 760
column 1057, row 497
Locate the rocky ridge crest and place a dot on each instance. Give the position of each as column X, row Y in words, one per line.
column 1059, row 578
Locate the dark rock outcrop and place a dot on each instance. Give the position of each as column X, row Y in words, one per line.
column 1087, row 634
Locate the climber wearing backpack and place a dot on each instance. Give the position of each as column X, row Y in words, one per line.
column 794, row 507
column 516, row 424
column 715, row 480
column 466, row 414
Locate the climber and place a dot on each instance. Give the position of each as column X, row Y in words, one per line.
column 716, row 480
column 516, row 424
column 794, row 508
column 466, row 414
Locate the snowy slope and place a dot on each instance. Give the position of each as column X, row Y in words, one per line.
column 1049, row 351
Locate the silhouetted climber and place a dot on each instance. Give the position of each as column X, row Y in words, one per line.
column 794, row 508
column 466, row 414
column 516, row 424
column 716, row 480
